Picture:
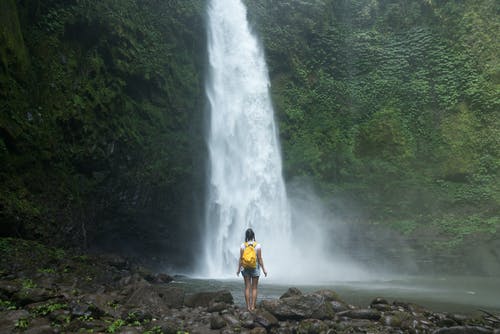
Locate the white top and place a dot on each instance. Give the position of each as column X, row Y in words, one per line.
column 258, row 246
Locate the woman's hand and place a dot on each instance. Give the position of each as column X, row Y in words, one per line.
column 265, row 272
column 238, row 272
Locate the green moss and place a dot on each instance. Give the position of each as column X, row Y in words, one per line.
column 13, row 52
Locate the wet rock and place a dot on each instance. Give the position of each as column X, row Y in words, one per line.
column 169, row 326
column 216, row 306
column 39, row 325
column 8, row 288
column 338, row 306
column 204, row 298
column 460, row 319
column 159, row 278
column 247, row 320
column 116, row 261
column 381, row 307
column 231, row 320
column 312, row 326
column 129, row 330
column 59, row 316
column 217, row 322
column 329, row 295
column 411, row 307
column 9, row 319
column 137, row 314
column 463, row 330
column 291, row 292
column 379, row 300
column 258, row 330
column 156, row 298
column 265, row 319
column 368, row 314
column 33, row 295
column 395, row 319
column 79, row 308
column 300, row 307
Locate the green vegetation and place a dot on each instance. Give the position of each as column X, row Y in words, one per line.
column 115, row 325
column 44, row 309
column 391, row 106
column 100, row 122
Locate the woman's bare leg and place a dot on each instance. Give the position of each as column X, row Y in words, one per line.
column 255, row 282
column 248, row 286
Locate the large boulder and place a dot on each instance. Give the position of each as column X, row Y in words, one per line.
column 368, row 314
column 155, row 298
column 463, row 330
column 9, row 319
column 299, row 307
column 265, row 319
column 205, row 299
column 291, row 292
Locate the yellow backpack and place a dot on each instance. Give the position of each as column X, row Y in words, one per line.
column 249, row 257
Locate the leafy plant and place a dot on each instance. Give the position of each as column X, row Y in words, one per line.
column 115, row 325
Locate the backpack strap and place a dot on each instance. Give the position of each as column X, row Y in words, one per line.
column 253, row 244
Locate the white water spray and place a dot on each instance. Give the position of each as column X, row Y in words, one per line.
column 246, row 185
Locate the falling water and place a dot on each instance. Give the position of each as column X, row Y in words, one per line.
column 246, row 183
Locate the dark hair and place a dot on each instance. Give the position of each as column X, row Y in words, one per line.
column 249, row 235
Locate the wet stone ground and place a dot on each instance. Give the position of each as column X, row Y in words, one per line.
column 49, row 291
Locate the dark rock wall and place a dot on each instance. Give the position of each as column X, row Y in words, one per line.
column 101, row 123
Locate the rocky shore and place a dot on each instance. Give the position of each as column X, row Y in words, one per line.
column 45, row 290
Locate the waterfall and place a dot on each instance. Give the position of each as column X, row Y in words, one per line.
column 246, row 186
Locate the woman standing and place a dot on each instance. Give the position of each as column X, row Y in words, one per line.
column 251, row 275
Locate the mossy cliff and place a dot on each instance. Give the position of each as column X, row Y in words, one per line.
column 389, row 108
column 100, row 124
column 392, row 109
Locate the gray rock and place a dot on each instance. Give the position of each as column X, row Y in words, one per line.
column 33, row 295
column 231, row 320
column 411, row 307
column 42, row 329
column 300, row 307
column 368, row 314
column 205, row 298
column 329, row 295
column 39, row 325
column 265, row 319
column 291, row 292
column 129, row 330
column 381, row 307
column 258, row 330
column 379, row 300
column 9, row 319
column 216, row 306
column 217, row 322
column 155, row 298
column 338, row 306
column 8, row 288
column 463, row 330
column 312, row 326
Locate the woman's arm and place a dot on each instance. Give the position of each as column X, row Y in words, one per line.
column 239, row 263
column 261, row 262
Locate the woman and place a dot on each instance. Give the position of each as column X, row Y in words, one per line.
column 251, row 276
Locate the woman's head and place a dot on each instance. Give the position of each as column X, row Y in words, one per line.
column 249, row 235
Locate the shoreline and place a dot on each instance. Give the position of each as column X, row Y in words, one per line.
column 47, row 290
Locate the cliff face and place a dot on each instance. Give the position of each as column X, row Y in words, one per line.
column 101, row 123
column 390, row 108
